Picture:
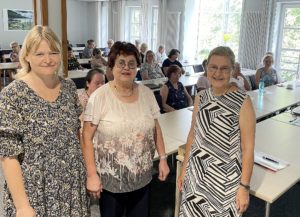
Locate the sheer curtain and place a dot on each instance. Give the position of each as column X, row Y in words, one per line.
column 254, row 35
column 191, row 23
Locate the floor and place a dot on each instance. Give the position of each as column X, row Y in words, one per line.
column 163, row 201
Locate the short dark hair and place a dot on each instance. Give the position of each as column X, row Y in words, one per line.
column 69, row 48
column 90, row 41
column 173, row 52
column 91, row 73
column 96, row 51
column 124, row 48
column 173, row 69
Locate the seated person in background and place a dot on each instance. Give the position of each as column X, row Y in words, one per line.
column 138, row 44
column 143, row 50
column 88, row 50
column 150, row 69
column 173, row 93
column 97, row 60
column 14, row 55
column 172, row 60
column 203, row 82
column 73, row 63
column 161, row 55
column 94, row 79
column 239, row 79
column 267, row 72
column 110, row 43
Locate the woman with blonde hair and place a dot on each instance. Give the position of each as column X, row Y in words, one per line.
column 267, row 73
column 39, row 133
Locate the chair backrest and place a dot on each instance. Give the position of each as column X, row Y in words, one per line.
column 159, row 101
column 80, row 45
column 198, row 68
column 252, row 82
column 80, row 55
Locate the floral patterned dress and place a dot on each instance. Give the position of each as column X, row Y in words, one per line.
column 124, row 141
column 44, row 136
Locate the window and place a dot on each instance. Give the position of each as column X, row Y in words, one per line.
column 154, row 28
column 219, row 25
column 135, row 23
column 289, row 43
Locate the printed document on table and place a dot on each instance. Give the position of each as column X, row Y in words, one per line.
column 269, row 161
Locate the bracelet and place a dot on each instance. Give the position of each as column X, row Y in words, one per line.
column 163, row 157
column 247, row 187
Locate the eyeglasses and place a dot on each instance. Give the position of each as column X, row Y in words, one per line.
column 214, row 69
column 131, row 65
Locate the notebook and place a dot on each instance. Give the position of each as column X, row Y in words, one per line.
column 268, row 161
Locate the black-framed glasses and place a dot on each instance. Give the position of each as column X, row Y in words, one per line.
column 131, row 64
column 214, row 69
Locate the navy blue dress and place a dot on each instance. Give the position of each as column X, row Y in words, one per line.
column 176, row 97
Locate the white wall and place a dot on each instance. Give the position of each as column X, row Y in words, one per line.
column 79, row 22
column 7, row 36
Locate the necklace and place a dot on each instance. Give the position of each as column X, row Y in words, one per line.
column 121, row 94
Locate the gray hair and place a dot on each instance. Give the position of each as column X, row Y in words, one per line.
column 222, row 51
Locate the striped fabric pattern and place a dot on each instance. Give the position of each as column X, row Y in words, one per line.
column 214, row 167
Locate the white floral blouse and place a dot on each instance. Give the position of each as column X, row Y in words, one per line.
column 124, row 141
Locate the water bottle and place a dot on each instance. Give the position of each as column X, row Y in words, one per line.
column 261, row 86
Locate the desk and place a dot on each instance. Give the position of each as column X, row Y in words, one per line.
column 274, row 99
column 7, row 66
column 84, row 61
column 78, row 48
column 277, row 139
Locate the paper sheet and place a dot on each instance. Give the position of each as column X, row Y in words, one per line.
column 269, row 161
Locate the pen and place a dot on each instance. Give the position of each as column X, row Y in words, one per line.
column 271, row 160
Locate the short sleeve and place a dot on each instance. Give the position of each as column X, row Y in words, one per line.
column 152, row 103
column 78, row 107
column 11, row 124
column 95, row 106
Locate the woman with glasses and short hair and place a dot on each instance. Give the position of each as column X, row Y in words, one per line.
column 218, row 161
column 267, row 73
column 121, row 119
column 150, row 69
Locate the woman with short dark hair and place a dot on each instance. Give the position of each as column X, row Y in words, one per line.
column 121, row 133
column 174, row 95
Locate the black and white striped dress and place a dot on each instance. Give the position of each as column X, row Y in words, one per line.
column 214, row 167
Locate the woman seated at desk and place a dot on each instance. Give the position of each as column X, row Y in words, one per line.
column 267, row 73
column 239, row 79
column 150, row 69
column 173, row 93
column 73, row 63
column 97, row 60
column 203, row 82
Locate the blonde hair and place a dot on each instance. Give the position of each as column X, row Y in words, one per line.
column 13, row 43
column 266, row 57
column 32, row 41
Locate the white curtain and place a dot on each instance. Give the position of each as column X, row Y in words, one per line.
column 254, row 36
column 144, row 31
column 191, row 23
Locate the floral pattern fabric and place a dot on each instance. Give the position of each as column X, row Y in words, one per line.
column 44, row 136
column 124, row 141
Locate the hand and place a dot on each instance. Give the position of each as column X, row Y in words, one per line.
column 26, row 211
column 180, row 179
column 242, row 199
column 163, row 170
column 94, row 186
